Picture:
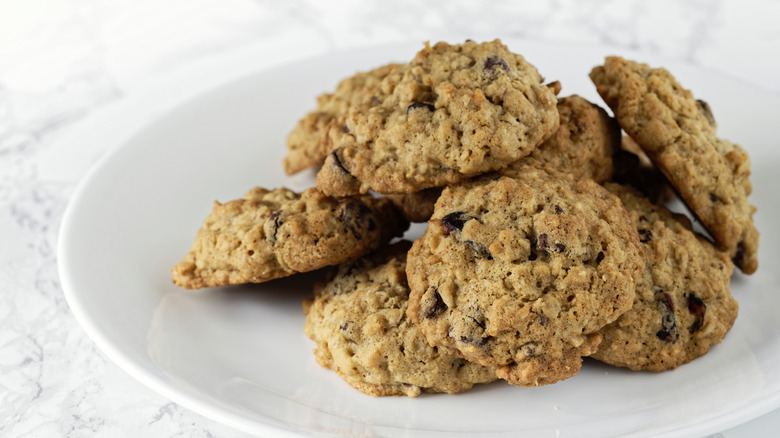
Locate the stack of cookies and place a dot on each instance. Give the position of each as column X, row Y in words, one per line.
column 547, row 237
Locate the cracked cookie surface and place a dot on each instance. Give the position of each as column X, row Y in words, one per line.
column 358, row 320
column 459, row 111
column 275, row 233
column 522, row 273
column 683, row 303
column 679, row 134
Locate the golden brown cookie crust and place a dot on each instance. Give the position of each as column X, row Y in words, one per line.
column 358, row 320
column 276, row 233
column 522, row 273
column 683, row 303
column 679, row 134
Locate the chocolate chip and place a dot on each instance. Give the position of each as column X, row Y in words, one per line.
column 416, row 105
column 668, row 332
column 698, row 308
column 495, row 61
column 437, row 307
column 355, row 216
column 645, row 235
column 276, row 223
column 455, row 221
column 707, row 111
column 558, row 209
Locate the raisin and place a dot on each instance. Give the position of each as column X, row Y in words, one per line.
column 437, row 307
column 542, row 320
column 355, row 215
column 558, row 209
column 345, row 130
column 495, row 61
column 698, row 308
column 668, row 330
column 561, row 247
column 455, row 221
column 415, row 105
column 645, row 235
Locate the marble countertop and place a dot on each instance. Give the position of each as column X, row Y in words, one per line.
column 61, row 60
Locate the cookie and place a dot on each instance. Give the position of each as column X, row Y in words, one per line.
column 459, row 111
column 679, row 134
column 584, row 143
column 522, row 273
column 683, row 303
column 310, row 140
column 358, row 320
column 277, row 233
column 633, row 167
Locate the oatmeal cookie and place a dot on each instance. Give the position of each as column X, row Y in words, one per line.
column 522, row 273
column 459, row 111
column 678, row 132
column 276, row 233
column 358, row 320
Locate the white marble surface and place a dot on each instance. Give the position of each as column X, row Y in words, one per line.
column 62, row 59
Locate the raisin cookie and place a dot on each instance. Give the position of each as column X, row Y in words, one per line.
column 459, row 111
column 679, row 134
column 358, row 320
column 522, row 273
column 683, row 302
column 310, row 141
column 272, row 234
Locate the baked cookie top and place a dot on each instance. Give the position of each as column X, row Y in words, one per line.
column 311, row 139
column 584, row 143
column 679, row 134
column 276, row 233
column 522, row 273
column 683, row 303
column 358, row 320
column 459, row 110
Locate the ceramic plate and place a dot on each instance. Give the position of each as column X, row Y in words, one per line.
column 239, row 355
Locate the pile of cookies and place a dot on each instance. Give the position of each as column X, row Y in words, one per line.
column 547, row 237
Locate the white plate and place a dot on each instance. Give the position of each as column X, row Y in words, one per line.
column 239, row 355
